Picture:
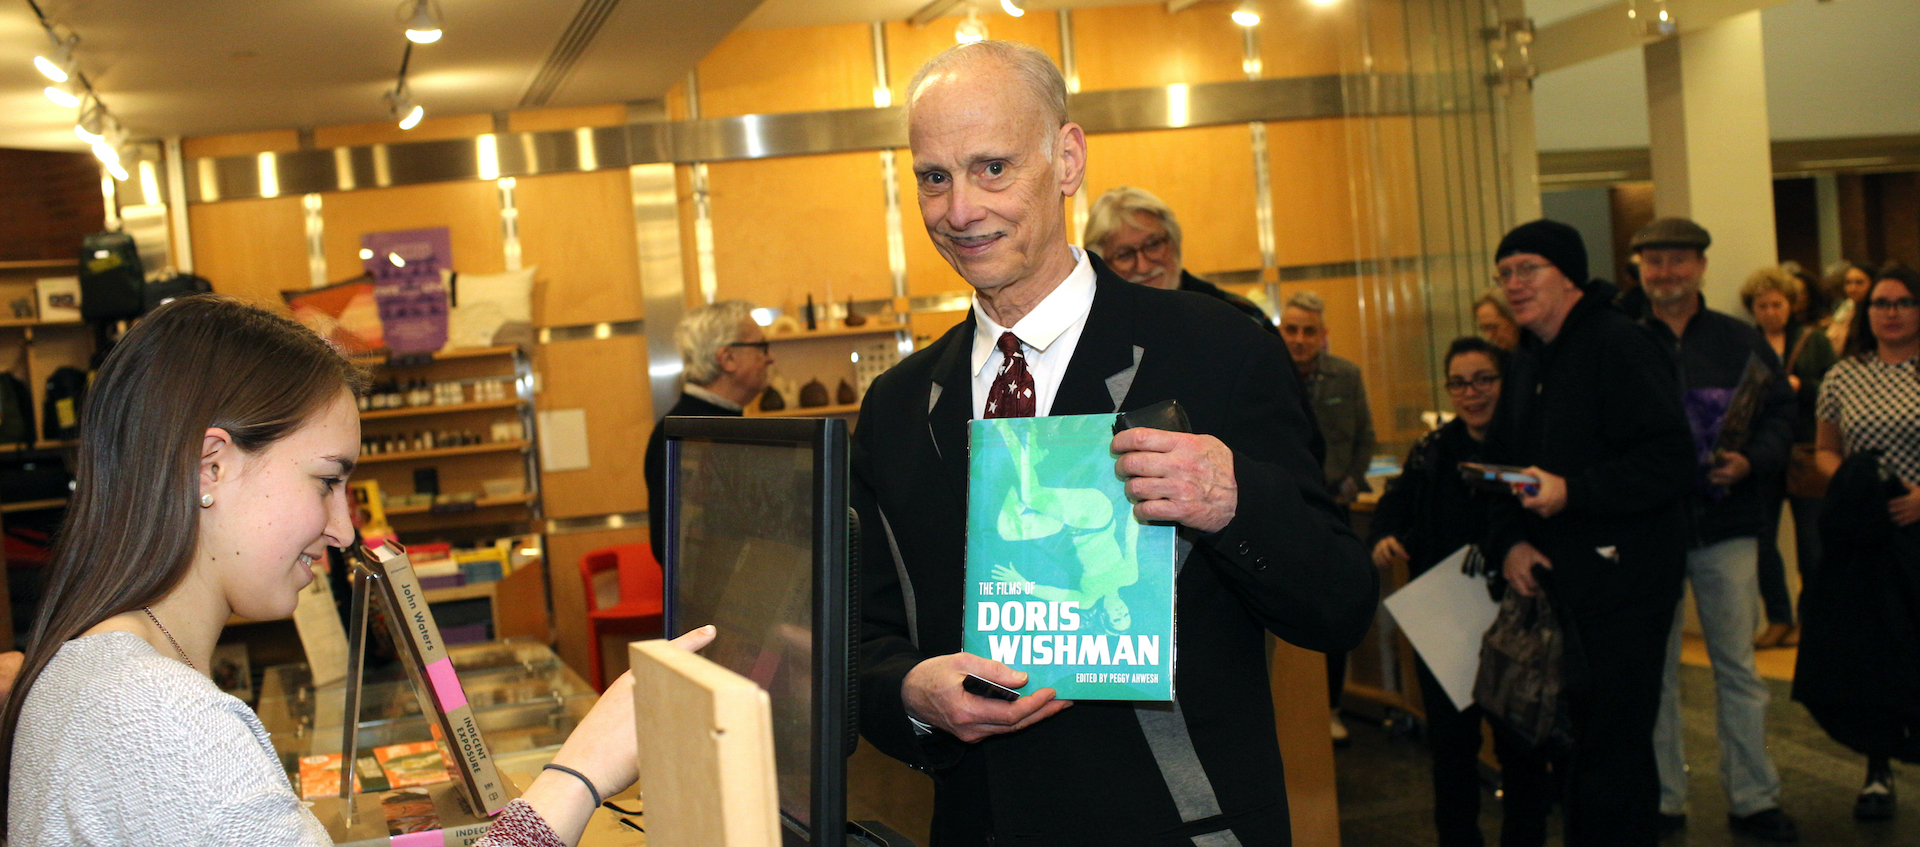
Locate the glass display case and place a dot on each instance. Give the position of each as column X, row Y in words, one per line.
column 525, row 699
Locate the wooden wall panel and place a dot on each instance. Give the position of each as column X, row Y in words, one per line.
column 1394, row 207
column 786, row 228
column 1387, row 35
column 569, row 593
column 388, row 132
column 1298, row 682
column 803, row 69
column 240, row 144
column 470, row 210
column 1347, row 338
column 927, row 327
column 252, row 249
column 572, row 117
column 1142, row 46
column 1306, row 39
column 1313, row 205
column 48, row 201
column 578, row 228
column 608, row 379
column 909, row 46
column 1205, row 175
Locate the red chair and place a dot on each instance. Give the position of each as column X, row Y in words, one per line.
column 641, row 610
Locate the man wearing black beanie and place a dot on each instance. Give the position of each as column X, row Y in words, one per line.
column 1591, row 409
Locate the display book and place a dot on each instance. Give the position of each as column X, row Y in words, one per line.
column 420, row 802
column 1063, row 581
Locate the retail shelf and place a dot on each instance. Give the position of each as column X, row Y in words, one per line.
column 810, row 412
column 32, row 505
column 453, row 409
column 443, row 452
column 417, row 359
column 836, row 332
column 38, row 445
column 482, row 503
column 462, row 592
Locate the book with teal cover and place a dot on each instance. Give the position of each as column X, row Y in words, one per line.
column 1062, row 581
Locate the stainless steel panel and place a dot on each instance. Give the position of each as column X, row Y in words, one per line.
column 656, row 232
column 797, row 134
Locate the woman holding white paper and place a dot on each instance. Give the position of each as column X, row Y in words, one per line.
column 1427, row 514
column 215, row 447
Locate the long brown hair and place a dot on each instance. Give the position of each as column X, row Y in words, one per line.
column 133, row 522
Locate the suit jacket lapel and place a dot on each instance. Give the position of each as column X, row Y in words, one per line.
column 1106, row 351
column 950, row 403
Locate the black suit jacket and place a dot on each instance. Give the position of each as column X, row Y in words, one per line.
column 656, row 467
column 1099, row 772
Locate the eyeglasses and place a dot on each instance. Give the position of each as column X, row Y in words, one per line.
column 1153, row 248
column 762, row 346
column 1482, row 383
column 1889, row 304
column 1518, row 273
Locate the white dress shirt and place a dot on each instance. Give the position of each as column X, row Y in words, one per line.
column 717, row 400
column 1048, row 336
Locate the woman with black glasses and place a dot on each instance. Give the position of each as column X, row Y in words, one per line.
column 1858, row 655
column 1426, row 514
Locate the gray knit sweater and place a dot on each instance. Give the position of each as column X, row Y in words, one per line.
column 120, row 745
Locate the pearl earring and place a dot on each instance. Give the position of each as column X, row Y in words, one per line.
column 206, row 501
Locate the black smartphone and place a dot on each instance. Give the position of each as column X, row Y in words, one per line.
column 983, row 688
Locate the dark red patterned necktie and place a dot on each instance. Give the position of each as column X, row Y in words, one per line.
column 1012, row 393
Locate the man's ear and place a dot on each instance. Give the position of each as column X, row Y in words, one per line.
column 219, row 458
column 1072, row 144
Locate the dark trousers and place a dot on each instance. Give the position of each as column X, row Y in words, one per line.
column 1774, row 596
column 1612, row 788
column 1454, row 737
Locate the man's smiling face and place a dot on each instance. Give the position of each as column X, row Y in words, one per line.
column 992, row 176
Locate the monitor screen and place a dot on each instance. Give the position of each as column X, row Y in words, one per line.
column 756, row 544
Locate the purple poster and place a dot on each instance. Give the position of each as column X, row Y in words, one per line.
column 405, row 266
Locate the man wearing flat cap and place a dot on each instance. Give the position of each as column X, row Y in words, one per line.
column 1591, row 409
column 1725, row 515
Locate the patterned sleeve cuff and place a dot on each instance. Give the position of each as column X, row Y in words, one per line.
column 518, row 825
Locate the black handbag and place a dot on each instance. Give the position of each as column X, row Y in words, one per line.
column 1522, row 677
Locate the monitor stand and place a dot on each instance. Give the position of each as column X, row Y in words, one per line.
column 874, row 834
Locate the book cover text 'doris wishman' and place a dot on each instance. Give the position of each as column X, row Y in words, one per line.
column 1062, row 581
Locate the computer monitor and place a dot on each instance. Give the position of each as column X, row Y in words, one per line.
column 757, row 543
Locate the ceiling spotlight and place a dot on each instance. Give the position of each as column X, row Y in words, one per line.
column 107, row 150
column 57, row 64
column 63, row 96
column 92, row 125
column 423, row 21
column 1012, row 8
column 1248, row 14
column 971, row 29
column 401, row 106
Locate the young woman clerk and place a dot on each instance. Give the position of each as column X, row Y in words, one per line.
column 215, row 447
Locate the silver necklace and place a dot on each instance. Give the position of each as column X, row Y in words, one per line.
column 169, row 635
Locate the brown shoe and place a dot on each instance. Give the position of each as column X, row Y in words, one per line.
column 1773, row 636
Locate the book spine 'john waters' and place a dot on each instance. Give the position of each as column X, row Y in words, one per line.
column 434, row 678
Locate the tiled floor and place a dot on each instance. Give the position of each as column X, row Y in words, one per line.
column 1386, row 799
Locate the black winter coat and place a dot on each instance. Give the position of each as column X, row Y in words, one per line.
column 1858, row 672
column 1598, row 406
